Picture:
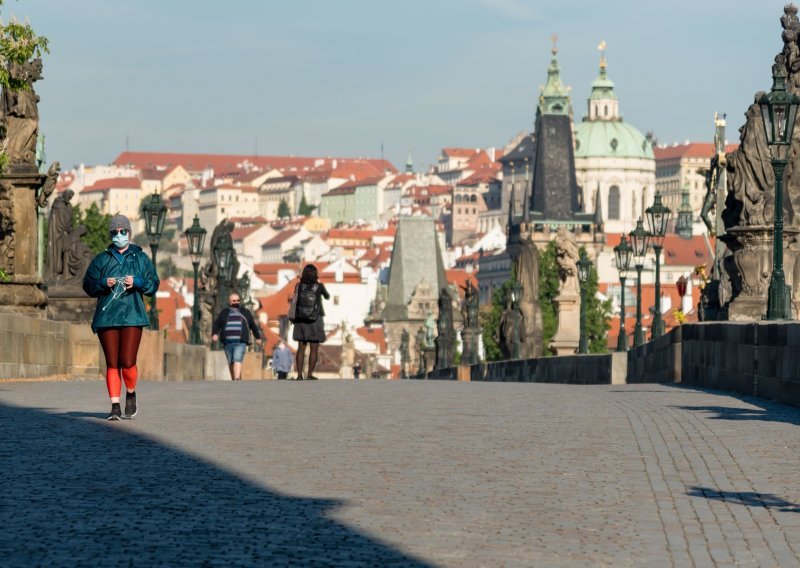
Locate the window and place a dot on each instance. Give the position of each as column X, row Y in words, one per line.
column 336, row 300
column 613, row 202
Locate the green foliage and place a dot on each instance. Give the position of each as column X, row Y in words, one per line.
column 283, row 209
column 548, row 290
column 18, row 44
column 4, row 277
column 489, row 317
column 167, row 268
column 598, row 312
column 96, row 224
column 305, row 209
column 598, row 316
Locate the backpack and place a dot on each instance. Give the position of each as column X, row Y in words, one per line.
column 307, row 305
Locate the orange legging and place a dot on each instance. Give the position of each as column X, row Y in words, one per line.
column 120, row 346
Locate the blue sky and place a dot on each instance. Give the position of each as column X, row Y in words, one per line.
column 324, row 77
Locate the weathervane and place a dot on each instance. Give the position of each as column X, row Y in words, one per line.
column 602, row 49
column 554, row 39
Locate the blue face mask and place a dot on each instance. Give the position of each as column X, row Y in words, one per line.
column 120, row 241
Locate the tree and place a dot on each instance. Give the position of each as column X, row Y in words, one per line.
column 97, row 226
column 489, row 317
column 598, row 316
column 305, row 209
column 283, row 209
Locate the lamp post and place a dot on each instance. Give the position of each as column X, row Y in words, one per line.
column 622, row 257
column 196, row 238
column 639, row 242
column 658, row 216
column 223, row 257
column 778, row 111
column 584, row 269
column 155, row 212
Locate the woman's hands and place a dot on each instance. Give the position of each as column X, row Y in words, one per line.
column 111, row 282
column 127, row 281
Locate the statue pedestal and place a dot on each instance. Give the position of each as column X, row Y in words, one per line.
column 429, row 356
column 469, row 346
column 70, row 303
column 565, row 341
column 751, row 270
column 19, row 244
column 445, row 351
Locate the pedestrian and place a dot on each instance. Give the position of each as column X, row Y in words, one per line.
column 235, row 323
column 118, row 277
column 309, row 327
column 281, row 360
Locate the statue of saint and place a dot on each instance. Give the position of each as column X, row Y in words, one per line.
column 59, row 226
column 567, row 257
column 511, row 334
column 20, row 109
column 430, row 330
column 471, row 305
column 77, row 256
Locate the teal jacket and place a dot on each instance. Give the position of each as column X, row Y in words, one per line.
column 119, row 307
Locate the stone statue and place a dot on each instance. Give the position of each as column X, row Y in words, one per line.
column 568, row 301
column 567, row 257
column 404, row 341
column 49, row 184
column 59, row 227
column 210, row 303
column 7, row 244
column 76, row 257
column 470, row 305
column 527, row 273
column 348, row 348
column 446, row 336
column 21, row 113
column 511, row 334
column 430, row 330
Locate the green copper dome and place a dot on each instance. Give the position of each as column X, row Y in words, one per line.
column 610, row 139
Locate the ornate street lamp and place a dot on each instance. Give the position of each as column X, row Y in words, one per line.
column 155, row 212
column 778, row 111
column 640, row 239
column 684, row 225
column 243, row 287
column 658, row 216
column 584, row 270
column 622, row 257
column 196, row 238
column 223, row 257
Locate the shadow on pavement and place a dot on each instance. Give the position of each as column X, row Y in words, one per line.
column 750, row 499
column 78, row 492
column 767, row 411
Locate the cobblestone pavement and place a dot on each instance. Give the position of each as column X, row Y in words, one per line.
column 346, row 473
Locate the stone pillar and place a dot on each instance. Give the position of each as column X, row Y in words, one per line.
column 565, row 341
column 469, row 346
column 19, row 244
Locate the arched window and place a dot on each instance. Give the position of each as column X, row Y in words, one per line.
column 613, row 202
column 473, row 198
column 605, row 110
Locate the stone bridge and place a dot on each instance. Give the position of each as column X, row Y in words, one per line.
column 405, row 473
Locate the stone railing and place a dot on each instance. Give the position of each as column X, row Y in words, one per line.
column 32, row 348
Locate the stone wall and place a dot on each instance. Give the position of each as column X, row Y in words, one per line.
column 657, row 361
column 604, row 369
column 33, row 348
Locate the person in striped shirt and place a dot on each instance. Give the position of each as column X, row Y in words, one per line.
column 234, row 324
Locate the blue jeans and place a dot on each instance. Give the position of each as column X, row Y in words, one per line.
column 234, row 352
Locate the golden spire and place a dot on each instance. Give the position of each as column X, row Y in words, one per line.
column 602, row 49
column 554, row 39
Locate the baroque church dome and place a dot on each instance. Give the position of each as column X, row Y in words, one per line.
column 603, row 133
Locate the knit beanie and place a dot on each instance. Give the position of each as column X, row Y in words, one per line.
column 119, row 222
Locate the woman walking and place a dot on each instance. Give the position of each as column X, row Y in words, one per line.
column 118, row 277
column 309, row 327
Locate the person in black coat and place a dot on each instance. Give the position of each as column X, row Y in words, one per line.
column 310, row 332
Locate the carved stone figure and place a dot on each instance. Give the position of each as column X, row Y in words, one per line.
column 511, row 334
column 210, row 302
column 404, row 353
column 76, row 257
column 446, row 337
column 567, row 257
column 420, row 347
column 7, row 244
column 59, row 227
column 430, row 330
column 49, row 184
column 527, row 271
column 21, row 113
column 470, row 306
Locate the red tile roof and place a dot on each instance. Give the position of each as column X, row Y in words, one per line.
column 373, row 180
column 114, row 183
column 459, row 278
column 281, row 237
column 240, row 233
column 690, row 150
column 460, row 152
column 374, row 335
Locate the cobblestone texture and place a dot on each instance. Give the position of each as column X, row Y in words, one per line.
column 345, row 473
